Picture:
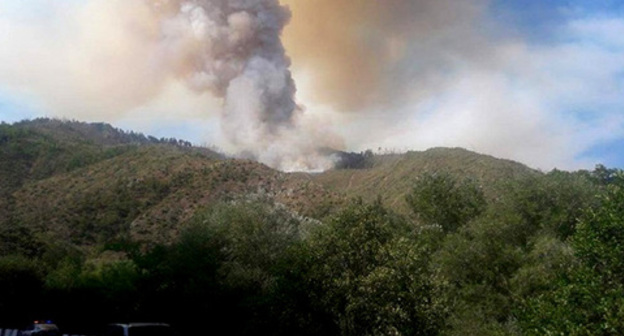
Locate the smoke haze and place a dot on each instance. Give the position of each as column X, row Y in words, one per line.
column 380, row 53
column 419, row 74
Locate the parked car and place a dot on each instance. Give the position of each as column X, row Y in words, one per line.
column 139, row 329
column 41, row 328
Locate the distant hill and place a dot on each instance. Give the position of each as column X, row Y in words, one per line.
column 91, row 183
column 37, row 149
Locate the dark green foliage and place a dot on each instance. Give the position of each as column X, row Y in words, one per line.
column 232, row 267
column 255, row 237
column 442, row 199
column 511, row 251
column 18, row 239
column 372, row 273
column 347, row 160
column 552, row 202
column 475, row 265
column 599, row 240
column 587, row 298
column 605, row 176
column 541, row 267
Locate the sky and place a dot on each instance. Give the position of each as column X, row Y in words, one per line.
column 539, row 82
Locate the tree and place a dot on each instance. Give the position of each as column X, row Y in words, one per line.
column 371, row 274
column 441, row 199
column 605, row 176
column 588, row 297
column 233, row 266
column 552, row 203
column 473, row 266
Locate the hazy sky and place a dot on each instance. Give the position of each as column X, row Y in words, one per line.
column 540, row 82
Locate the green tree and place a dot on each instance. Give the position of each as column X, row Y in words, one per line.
column 605, row 176
column 235, row 266
column 588, row 297
column 18, row 239
column 552, row 203
column 473, row 267
column 442, row 199
column 371, row 273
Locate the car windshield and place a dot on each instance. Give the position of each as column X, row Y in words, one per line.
column 150, row 331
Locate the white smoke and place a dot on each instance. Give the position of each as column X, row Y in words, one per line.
column 232, row 48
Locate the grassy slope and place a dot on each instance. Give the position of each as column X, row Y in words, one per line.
column 392, row 175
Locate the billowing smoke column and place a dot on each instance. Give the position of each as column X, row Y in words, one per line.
column 232, row 48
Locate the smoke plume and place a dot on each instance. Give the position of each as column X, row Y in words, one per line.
column 120, row 54
column 232, row 48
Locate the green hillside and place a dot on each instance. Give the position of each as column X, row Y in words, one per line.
column 148, row 193
column 90, row 183
column 32, row 151
column 392, row 175
column 38, row 149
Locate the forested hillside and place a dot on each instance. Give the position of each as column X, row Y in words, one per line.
column 100, row 225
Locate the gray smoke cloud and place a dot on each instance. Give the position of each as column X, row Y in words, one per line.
column 232, row 48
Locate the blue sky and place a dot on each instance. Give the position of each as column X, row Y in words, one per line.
column 11, row 111
column 542, row 18
column 547, row 88
column 544, row 22
column 609, row 153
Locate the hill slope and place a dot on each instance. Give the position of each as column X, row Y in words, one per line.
column 391, row 176
column 149, row 192
column 37, row 149
column 91, row 183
